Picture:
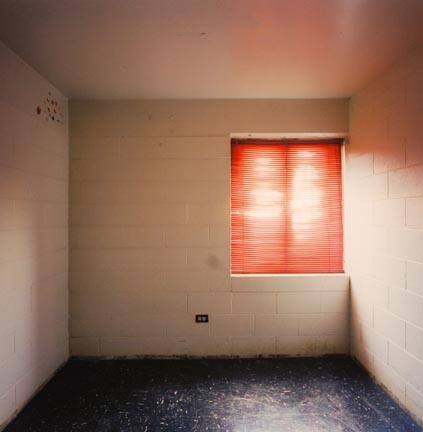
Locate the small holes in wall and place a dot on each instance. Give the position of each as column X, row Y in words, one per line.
column 51, row 110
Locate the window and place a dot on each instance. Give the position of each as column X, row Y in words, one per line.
column 286, row 207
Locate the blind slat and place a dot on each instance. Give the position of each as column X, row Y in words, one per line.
column 286, row 208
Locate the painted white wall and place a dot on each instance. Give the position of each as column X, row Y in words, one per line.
column 150, row 234
column 384, row 194
column 33, row 235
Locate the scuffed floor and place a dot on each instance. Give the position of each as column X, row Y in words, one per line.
column 266, row 395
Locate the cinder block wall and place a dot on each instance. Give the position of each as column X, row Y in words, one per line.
column 33, row 235
column 150, row 234
column 384, row 194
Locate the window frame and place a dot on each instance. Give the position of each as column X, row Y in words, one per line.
column 279, row 281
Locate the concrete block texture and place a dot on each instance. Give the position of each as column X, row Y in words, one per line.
column 33, row 235
column 150, row 235
column 387, row 306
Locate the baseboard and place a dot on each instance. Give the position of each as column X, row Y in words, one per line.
column 207, row 357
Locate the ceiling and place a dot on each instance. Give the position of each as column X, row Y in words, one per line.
column 210, row 48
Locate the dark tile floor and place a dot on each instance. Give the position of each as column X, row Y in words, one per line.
column 266, row 395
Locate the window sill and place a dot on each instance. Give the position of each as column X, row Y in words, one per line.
column 289, row 282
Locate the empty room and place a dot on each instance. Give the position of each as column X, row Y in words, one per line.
column 211, row 215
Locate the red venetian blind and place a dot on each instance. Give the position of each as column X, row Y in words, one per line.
column 286, row 207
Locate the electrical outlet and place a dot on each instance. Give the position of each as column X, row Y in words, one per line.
column 202, row 318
